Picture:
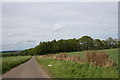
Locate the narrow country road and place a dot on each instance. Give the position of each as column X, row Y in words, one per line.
column 30, row 69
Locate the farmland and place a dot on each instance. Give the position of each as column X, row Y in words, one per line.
column 6, row 53
column 11, row 62
column 113, row 53
column 72, row 69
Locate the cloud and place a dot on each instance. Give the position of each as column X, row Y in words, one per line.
column 60, row 0
column 26, row 24
column 58, row 27
column 19, row 45
column 39, row 35
column 10, row 34
column 30, row 41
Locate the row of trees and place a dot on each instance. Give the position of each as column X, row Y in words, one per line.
column 70, row 45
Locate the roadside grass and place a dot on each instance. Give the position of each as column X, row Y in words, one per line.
column 70, row 69
column 11, row 62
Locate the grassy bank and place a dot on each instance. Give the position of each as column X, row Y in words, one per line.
column 68, row 69
column 11, row 62
column 71, row 69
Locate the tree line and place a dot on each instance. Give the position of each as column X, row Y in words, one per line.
column 69, row 45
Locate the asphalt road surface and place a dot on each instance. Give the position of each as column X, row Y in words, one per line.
column 30, row 69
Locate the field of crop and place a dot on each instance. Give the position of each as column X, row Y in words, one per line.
column 11, row 62
column 71, row 69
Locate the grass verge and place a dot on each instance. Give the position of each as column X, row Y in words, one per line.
column 70, row 69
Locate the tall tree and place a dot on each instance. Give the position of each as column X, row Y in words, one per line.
column 111, row 42
column 86, row 43
column 98, row 44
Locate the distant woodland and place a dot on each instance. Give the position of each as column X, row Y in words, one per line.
column 70, row 45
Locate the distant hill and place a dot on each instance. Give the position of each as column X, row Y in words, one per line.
column 12, row 51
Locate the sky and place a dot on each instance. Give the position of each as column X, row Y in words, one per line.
column 25, row 24
column 59, row 0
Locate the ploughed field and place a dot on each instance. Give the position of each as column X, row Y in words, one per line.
column 84, row 64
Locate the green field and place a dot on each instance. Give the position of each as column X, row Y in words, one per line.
column 70, row 69
column 6, row 53
column 11, row 62
column 113, row 53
